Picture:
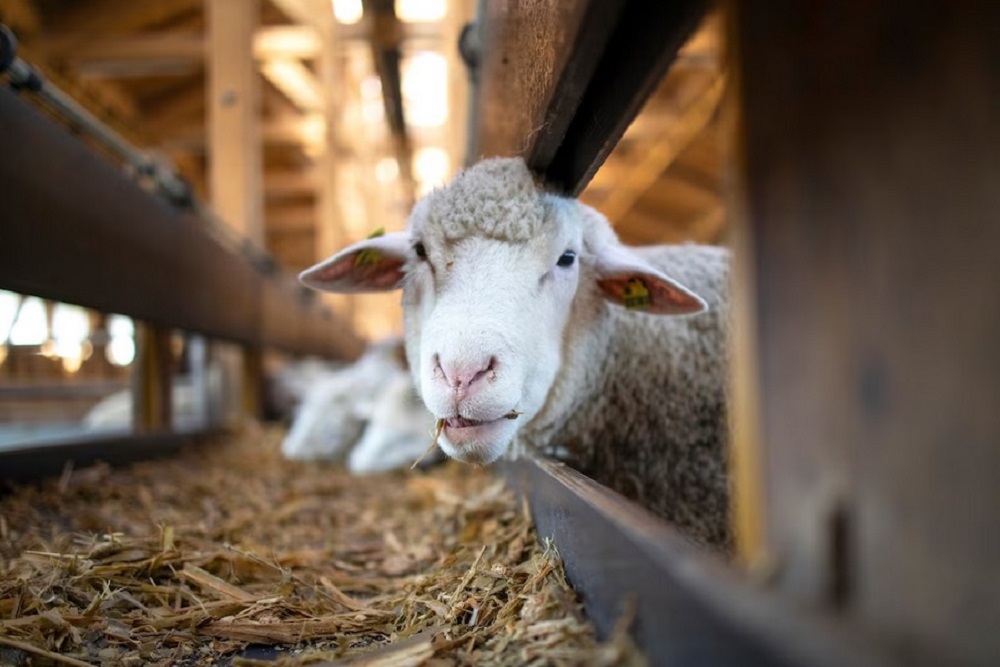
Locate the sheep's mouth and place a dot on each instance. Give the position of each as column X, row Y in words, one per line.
column 462, row 422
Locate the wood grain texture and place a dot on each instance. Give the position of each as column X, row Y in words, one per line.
column 871, row 149
column 77, row 230
column 690, row 609
column 560, row 81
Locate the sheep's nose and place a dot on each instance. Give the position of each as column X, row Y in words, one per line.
column 461, row 374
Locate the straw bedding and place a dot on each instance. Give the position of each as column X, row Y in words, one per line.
column 227, row 552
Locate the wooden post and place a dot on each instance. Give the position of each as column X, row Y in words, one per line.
column 235, row 155
column 330, row 232
column 234, row 128
column 253, row 382
column 869, row 162
column 152, row 379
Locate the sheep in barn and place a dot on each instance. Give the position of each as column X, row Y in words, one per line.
column 367, row 412
column 530, row 326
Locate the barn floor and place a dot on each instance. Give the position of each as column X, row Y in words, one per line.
column 228, row 554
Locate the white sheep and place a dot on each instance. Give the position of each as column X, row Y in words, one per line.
column 367, row 412
column 530, row 326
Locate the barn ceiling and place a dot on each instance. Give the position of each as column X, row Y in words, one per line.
column 340, row 158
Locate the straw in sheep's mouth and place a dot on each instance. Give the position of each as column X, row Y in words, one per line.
column 456, row 422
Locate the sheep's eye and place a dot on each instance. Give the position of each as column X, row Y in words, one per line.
column 566, row 259
column 420, row 250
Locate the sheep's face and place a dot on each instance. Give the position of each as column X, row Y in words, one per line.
column 491, row 272
column 484, row 319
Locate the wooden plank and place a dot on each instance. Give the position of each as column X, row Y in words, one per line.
column 186, row 46
column 290, row 184
column 75, row 229
column 292, row 218
column 235, row 169
column 690, row 609
column 526, row 49
column 51, row 459
column 560, row 82
column 870, row 144
column 44, row 391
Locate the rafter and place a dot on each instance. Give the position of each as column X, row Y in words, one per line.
column 658, row 156
column 290, row 219
column 289, row 183
column 102, row 18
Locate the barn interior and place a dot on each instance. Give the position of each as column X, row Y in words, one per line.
column 168, row 168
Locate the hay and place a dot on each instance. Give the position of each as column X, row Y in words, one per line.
column 190, row 561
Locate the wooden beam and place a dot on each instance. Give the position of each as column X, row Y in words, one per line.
column 176, row 109
column 152, row 379
column 234, row 134
column 307, row 12
column 657, row 157
column 73, row 237
column 683, row 605
column 871, row 208
column 104, row 18
column 560, row 83
column 295, row 81
column 330, row 230
column 184, row 46
column 288, row 130
column 21, row 16
column 283, row 184
column 287, row 41
column 285, row 219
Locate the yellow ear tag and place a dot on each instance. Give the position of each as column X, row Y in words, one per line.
column 370, row 256
column 636, row 295
column 367, row 257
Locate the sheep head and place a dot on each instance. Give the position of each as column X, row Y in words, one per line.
column 496, row 277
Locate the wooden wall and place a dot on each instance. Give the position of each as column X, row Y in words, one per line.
column 870, row 164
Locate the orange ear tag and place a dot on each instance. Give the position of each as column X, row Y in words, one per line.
column 636, row 295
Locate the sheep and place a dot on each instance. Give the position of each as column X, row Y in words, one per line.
column 193, row 406
column 367, row 412
column 530, row 327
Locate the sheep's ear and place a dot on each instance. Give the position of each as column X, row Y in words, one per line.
column 628, row 280
column 373, row 265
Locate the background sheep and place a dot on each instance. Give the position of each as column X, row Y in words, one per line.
column 521, row 302
column 367, row 412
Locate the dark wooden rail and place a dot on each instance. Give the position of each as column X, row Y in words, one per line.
column 561, row 81
column 75, row 229
column 690, row 607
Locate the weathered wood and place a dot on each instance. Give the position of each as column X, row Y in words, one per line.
column 560, row 81
column 235, row 155
column 690, row 609
column 871, row 156
column 529, row 64
column 75, row 229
